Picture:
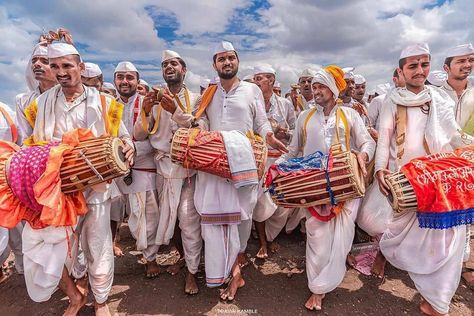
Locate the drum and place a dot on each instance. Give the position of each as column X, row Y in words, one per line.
column 205, row 151
column 92, row 162
column 402, row 196
column 311, row 188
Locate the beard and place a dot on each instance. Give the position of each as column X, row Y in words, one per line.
column 228, row 75
column 175, row 80
column 127, row 94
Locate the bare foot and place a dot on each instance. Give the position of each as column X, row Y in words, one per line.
column 82, row 285
column 274, row 247
column 102, row 309
column 262, row 252
column 427, row 309
column 242, row 260
column 315, row 302
column 174, row 268
column 378, row 268
column 118, row 252
column 350, row 260
column 235, row 283
column 152, row 269
column 75, row 305
column 190, row 285
column 3, row 276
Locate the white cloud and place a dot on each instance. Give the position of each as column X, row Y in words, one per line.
column 290, row 34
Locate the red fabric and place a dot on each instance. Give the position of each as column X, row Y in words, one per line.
column 443, row 182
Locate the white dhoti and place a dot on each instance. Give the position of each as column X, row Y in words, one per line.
column 4, row 249
column 218, row 198
column 13, row 238
column 143, row 221
column 45, row 256
column 96, row 242
column 432, row 257
column 190, row 225
column 327, row 246
column 375, row 212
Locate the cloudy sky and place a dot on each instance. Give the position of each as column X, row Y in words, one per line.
column 290, row 35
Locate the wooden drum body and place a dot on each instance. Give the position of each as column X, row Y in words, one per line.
column 205, row 151
column 402, row 196
column 92, row 162
column 311, row 189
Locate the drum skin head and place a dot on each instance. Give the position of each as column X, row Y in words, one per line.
column 358, row 177
column 117, row 151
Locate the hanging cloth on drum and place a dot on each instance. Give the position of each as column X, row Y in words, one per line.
column 10, row 123
column 187, row 109
column 206, row 100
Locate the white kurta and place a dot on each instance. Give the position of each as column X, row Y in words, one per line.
column 282, row 112
column 451, row 92
column 374, row 110
column 241, row 109
column 94, row 229
column 175, row 184
column 328, row 243
column 436, row 269
column 22, row 101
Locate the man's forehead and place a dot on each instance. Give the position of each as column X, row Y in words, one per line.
column 305, row 79
column 126, row 73
column 463, row 57
column 225, row 54
column 62, row 59
column 418, row 59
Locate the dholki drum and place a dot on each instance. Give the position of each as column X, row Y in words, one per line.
column 311, row 188
column 205, row 151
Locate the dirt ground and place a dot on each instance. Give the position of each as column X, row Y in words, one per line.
column 276, row 286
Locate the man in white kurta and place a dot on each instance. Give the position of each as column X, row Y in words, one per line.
column 235, row 106
column 458, row 65
column 39, row 78
column 10, row 239
column 375, row 211
column 138, row 190
column 430, row 126
column 63, row 108
column 176, row 185
column 302, row 97
column 281, row 115
column 328, row 242
column 375, row 106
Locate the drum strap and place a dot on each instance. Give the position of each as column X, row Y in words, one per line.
column 206, row 100
column 401, row 121
column 157, row 120
column 10, row 122
column 305, row 125
column 299, row 102
column 340, row 116
column 188, row 109
column 136, row 109
column 30, row 112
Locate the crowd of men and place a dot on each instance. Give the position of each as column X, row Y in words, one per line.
column 209, row 216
